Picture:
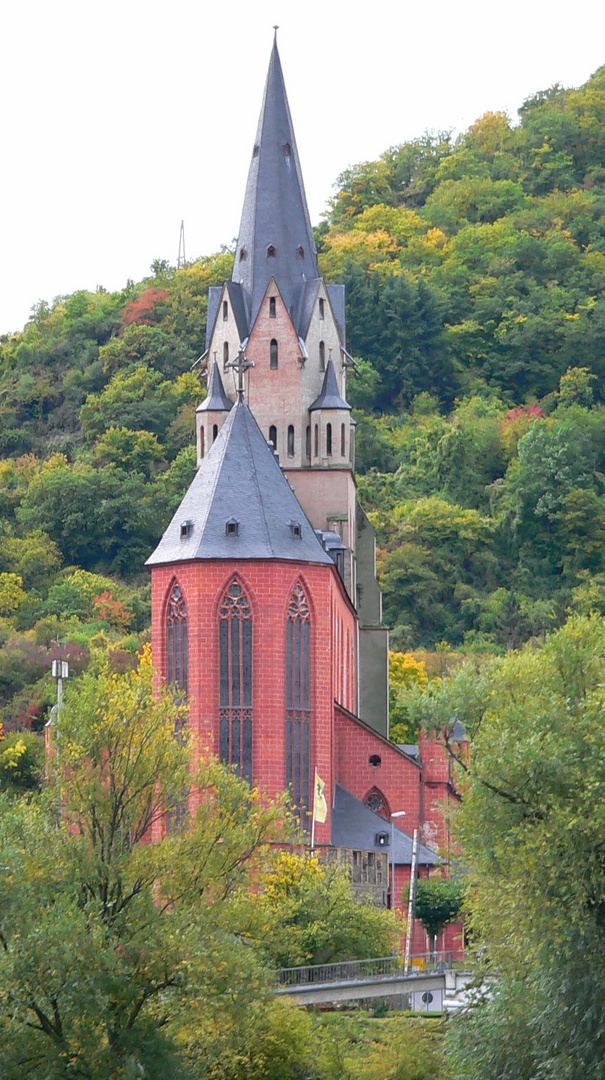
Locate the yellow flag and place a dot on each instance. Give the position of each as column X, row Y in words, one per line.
column 320, row 806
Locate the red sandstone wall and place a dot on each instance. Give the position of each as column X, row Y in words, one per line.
column 269, row 586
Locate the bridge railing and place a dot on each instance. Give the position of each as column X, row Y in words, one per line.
column 361, row 970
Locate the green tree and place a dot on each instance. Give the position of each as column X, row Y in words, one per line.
column 119, row 957
column 439, row 901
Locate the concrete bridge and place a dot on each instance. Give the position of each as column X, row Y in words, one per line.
column 431, row 980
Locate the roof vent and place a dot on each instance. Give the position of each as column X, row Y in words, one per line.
column 255, row 150
column 242, row 254
column 271, row 251
column 296, row 529
column 232, row 527
column 287, row 149
column 301, row 251
column 186, row 529
column 375, row 760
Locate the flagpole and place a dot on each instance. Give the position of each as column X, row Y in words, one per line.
column 313, row 815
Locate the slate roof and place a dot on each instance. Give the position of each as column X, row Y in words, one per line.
column 354, row 825
column 275, row 212
column 239, row 481
column 330, row 397
column 236, row 296
column 216, row 399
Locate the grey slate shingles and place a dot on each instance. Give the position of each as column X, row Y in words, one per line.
column 354, row 825
column 240, row 479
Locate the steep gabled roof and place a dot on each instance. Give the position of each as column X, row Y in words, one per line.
column 239, row 505
column 234, row 292
column 354, row 825
column 275, row 236
column 330, row 397
column 216, row 399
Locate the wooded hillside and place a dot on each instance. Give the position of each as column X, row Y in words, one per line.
column 475, row 274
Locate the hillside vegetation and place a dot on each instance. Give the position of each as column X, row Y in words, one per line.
column 475, row 274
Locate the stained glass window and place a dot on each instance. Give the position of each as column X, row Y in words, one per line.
column 235, row 738
column 176, row 639
column 298, row 700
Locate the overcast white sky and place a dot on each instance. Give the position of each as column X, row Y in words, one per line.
column 122, row 118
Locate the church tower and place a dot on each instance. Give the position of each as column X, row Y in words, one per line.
column 266, row 611
column 279, row 314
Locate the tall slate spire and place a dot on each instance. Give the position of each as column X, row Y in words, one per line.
column 275, row 237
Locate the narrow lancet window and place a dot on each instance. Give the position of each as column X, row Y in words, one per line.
column 343, row 440
column 214, row 431
column 329, row 440
column 202, row 441
column 273, row 436
column 235, row 735
column 176, row 639
column 298, row 701
column 308, row 441
column 316, row 441
column 273, row 354
column 225, row 310
column 177, row 674
column 272, row 308
column 322, row 309
column 322, row 356
column 290, row 440
column 225, row 354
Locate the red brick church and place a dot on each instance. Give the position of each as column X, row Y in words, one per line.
column 266, row 608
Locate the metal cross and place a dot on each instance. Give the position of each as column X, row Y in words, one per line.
column 240, row 365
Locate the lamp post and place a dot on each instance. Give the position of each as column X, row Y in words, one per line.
column 397, row 813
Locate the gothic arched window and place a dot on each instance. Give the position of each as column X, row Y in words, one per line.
column 298, row 699
column 273, row 354
column 225, row 354
column 290, row 440
column 329, row 440
column 322, row 356
column 235, row 739
column 176, row 639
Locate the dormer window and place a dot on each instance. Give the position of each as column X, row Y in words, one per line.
column 232, row 527
column 271, row 251
column 296, row 529
column 255, row 150
column 322, row 309
column 272, row 307
column 242, row 254
column 186, row 529
column 287, row 149
column 301, row 251
column 225, row 311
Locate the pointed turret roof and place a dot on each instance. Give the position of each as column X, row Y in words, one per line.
column 239, row 505
column 275, row 237
column 330, row 397
column 216, row 399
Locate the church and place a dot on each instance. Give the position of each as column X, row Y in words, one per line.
column 266, row 610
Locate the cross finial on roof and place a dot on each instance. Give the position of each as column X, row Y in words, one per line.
column 240, row 365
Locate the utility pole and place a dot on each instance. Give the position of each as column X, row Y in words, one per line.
column 411, row 902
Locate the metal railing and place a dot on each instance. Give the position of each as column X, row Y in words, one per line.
column 364, row 970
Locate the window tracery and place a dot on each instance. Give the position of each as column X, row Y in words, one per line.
column 298, row 700
column 235, row 736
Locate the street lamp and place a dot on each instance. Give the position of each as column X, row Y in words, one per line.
column 397, row 813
